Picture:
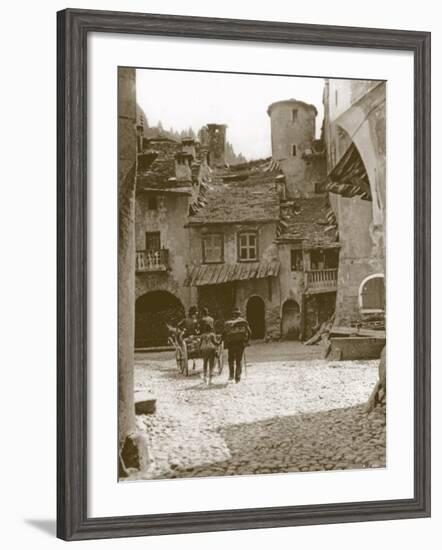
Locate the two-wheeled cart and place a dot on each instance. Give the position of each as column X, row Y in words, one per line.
column 188, row 349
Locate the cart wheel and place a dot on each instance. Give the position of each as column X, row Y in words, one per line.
column 185, row 361
column 220, row 358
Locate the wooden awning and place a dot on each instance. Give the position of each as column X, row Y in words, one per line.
column 216, row 274
column 349, row 177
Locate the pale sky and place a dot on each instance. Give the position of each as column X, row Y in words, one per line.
column 186, row 98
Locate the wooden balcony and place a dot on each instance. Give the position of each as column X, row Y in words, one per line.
column 321, row 280
column 152, row 260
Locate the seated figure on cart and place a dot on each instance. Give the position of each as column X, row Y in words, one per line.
column 189, row 325
column 190, row 330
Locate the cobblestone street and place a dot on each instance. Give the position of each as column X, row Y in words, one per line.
column 298, row 414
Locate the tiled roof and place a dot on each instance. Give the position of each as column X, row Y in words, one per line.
column 223, row 273
column 157, row 174
column 242, row 195
column 157, row 177
column 310, row 222
column 161, row 173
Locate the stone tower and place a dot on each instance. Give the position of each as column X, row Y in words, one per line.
column 216, row 144
column 293, row 126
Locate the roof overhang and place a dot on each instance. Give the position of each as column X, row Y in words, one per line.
column 231, row 222
column 164, row 191
column 215, row 274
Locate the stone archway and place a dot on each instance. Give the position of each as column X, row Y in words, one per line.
column 364, row 121
column 255, row 312
column 371, row 294
column 291, row 320
column 153, row 312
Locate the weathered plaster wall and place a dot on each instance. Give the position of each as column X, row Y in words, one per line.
column 291, row 282
column 267, row 289
column 313, row 309
column 127, row 151
column 267, row 250
column 345, row 93
column 169, row 219
column 355, row 111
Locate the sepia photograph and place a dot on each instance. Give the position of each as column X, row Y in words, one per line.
column 251, row 274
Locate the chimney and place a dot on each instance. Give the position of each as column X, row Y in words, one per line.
column 183, row 171
column 188, row 147
column 216, row 143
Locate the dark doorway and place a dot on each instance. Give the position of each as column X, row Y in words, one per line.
column 291, row 320
column 153, row 312
column 219, row 300
column 318, row 309
column 256, row 317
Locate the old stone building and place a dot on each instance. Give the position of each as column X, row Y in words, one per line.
column 279, row 210
column 354, row 131
column 220, row 236
column 171, row 177
column 234, row 258
column 294, row 147
column 309, row 255
column 307, row 235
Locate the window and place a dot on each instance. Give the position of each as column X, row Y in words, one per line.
column 153, row 241
column 152, row 203
column 317, row 260
column 372, row 294
column 213, row 248
column 294, row 115
column 331, row 258
column 247, row 247
column 296, row 260
column 324, row 259
column 294, row 150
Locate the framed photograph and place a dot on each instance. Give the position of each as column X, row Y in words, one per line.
column 243, row 264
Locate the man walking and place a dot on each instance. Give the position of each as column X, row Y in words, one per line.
column 207, row 322
column 236, row 335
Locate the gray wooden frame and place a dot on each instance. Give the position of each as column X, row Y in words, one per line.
column 73, row 28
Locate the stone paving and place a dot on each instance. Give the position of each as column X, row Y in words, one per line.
column 283, row 416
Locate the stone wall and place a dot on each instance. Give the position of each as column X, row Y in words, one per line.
column 273, row 322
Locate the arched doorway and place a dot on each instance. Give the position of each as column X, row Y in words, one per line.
column 255, row 313
column 291, row 320
column 372, row 294
column 153, row 311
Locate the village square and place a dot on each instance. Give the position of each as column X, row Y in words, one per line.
column 252, row 295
